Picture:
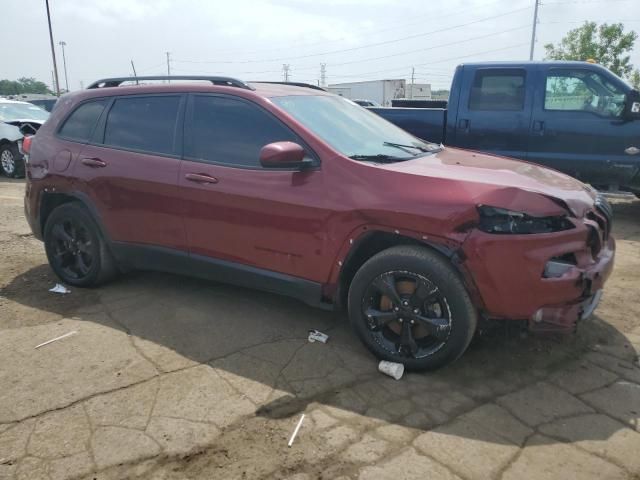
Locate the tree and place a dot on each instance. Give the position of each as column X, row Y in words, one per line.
column 634, row 79
column 23, row 85
column 606, row 44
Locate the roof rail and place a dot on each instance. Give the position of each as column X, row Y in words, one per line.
column 224, row 81
column 295, row 84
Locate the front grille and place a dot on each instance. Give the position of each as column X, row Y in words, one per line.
column 603, row 215
column 604, row 207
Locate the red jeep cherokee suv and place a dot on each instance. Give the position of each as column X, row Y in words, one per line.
column 299, row 192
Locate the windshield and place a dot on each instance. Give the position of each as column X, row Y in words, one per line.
column 21, row 111
column 352, row 130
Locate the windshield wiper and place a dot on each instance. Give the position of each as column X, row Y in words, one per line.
column 379, row 157
column 402, row 146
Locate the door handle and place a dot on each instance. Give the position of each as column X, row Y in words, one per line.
column 463, row 124
column 200, row 178
column 538, row 126
column 93, row 162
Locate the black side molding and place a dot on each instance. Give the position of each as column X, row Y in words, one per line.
column 145, row 257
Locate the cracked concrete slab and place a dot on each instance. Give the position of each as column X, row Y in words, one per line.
column 58, row 374
column 467, row 449
column 543, row 460
column 600, row 435
column 620, row 400
column 408, row 465
column 541, row 403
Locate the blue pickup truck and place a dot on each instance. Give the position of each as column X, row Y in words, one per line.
column 576, row 117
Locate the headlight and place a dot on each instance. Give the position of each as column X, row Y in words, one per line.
column 502, row 221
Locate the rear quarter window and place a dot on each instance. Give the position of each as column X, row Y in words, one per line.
column 498, row 90
column 80, row 124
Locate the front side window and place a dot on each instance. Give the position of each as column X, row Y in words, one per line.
column 583, row 90
column 498, row 90
column 147, row 124
column 229, row 131
column 82, row 121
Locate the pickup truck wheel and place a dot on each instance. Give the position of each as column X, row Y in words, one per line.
column 75, row 248
column 11, row 162
column 408, row 305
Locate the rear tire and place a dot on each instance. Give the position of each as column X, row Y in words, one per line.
column 75, row 248
column 409, row 305
column 11, row 161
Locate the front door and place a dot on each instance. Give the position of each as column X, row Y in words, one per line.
column 494, row 111
column 238, row 211
column 578, row 127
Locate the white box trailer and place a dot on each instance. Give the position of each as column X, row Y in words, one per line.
column 379, row 91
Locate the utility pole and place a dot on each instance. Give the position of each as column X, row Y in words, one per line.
column 533, row 32
column 134, row 72
column 413, row 77
column 53, row 51
column 285, row 72
column 64, row 62
column 53, row 81
column 168, row 65
column 323, row 75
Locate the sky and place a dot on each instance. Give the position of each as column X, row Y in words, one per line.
column 252, row 39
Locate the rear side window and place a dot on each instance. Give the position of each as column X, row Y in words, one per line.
column 498, row 90
column 147, row 124
column 229, row 131
column 80, row 124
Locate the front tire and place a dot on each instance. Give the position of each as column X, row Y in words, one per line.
column 75, row 248
column 409, row 305
column 11, row 162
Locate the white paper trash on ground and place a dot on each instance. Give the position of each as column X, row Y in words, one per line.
column 395, row 370
column 317, row 336
column 295, row 432
column 73, row 332
column 59, row 288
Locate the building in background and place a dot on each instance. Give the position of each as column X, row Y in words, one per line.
column 419, row 91
column 379, row 91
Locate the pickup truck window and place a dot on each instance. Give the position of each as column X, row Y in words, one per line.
column 583, row 91
column 498, row 90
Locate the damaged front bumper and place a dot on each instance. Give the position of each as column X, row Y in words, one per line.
column 509, row 274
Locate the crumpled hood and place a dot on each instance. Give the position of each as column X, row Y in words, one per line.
column 503, row 182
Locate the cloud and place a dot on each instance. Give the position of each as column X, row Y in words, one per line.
column 112, row 12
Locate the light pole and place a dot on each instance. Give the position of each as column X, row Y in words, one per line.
column 53, row 51
column 64, row 62
column 533, row 30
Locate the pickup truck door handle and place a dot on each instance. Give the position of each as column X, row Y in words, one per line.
column 538, row 126
column 93, row 162
column 200, row 178
column 463, row 124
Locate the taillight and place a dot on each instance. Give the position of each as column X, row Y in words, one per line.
column 26, row 144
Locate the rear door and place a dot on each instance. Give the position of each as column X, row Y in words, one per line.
column 494, row 111
column 130, row 169
column 578, row 128
column 239, row 211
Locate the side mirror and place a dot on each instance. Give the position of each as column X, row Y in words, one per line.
column 283, row 155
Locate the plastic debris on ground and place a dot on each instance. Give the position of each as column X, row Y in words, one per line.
column 56, row 339
column 317, row 336
column 295, row 432
column 395, row 370
column 59, row 288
